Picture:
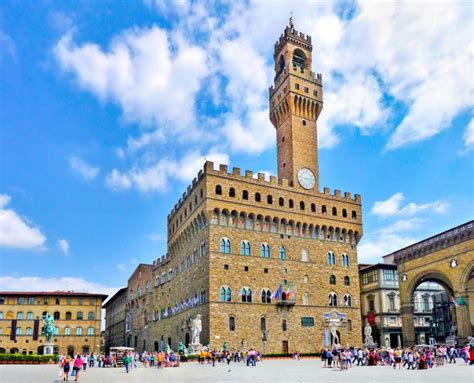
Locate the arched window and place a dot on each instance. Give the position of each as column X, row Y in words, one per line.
column 305, row 299
column 344, row 213
column 245, row 195
column 246, row 294
column 284, row 325
column 301, row 205
column 331, row 258
column 347, row 300
column 79, row 331
column 231, row 323
column 299, row 59
column 282, row 252
column 345, row 260
column 332, row 299
column 218, row 189
column 266, row 296
column 231, row 192
column 203, row 249
column 9, row 315
column 19, row 331
column 80, row 315
column 304, row 255
column 258, row 198
column 347, row 281
column 313, row 208
column 67, row 331
column 332, row 279
column 334, row 211
column 291, row 204
column 281, row 64
column 90, row 331
column 354, row 214
column 29, row 331
column 245, row 248
column 263, row 324
column 56, row 315
column 226, row 294
column 1, row 315
column 305, row 278
column 225, row 245
column 265, row 250
column 91, row 315
column 68, row 315
column 281, row 201
column 19, row 315
column 324, row 209
column 29, row 315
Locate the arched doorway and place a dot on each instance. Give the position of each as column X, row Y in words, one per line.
column 155, row 346
column 2, row 350
column 40, row 350
column 13, row 350
column 70, row 351
column 186, row 341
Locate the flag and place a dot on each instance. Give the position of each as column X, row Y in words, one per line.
column 293, row 294
column 278, row 292
column 239, row 294
column 288, row 288
column 254, row 293
column 454, row 302
column 461, row 301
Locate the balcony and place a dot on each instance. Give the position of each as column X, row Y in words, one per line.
column 286, row 302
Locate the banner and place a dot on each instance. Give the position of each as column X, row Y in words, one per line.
column 36, row 329
column 371, row 318
column 13, row 330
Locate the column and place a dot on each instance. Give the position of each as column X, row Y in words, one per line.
column 408, row 327
column 462, row 321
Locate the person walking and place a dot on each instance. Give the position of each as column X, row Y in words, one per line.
column 77, row 367
column 66, row 366
column 127, row 361
column 84, row 362
column 452, row 354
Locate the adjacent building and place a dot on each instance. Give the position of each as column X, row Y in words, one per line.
column 266, row 263
column 77, row 318
column 114, row 334
column 380, row 304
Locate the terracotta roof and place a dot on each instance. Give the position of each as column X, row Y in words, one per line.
column 55, row 293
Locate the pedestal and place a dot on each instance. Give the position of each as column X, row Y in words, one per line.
column 48, row 349
column 196, row 348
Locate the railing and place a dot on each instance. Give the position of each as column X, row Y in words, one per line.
column 286, row 302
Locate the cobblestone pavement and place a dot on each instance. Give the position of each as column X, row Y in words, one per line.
column 273, row 371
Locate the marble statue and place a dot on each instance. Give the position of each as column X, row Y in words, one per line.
column 368, row 334
column 335, row 337
column 196, row 329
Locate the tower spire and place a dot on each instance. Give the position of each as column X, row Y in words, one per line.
column 290, row 21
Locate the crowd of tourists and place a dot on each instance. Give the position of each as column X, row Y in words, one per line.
column 414, row 358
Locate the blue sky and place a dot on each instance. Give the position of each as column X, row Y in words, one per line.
column 108, row 110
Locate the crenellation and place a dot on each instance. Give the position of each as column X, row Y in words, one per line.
column 273, row 180
column 236, row 171
column 223, row 168
column 326, row 191
column 347, row 195
column 261, row 176
column 248, row 174
column 337, row 193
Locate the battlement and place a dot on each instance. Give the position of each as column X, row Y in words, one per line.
column 160, row 261
column 290, row 34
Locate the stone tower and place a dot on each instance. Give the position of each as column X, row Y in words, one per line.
column 296, row 100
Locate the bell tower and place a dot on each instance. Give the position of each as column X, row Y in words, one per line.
column 296, row 100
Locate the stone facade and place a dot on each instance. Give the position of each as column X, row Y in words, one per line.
column 77, row 319
column 447, row 258
column 234, row 235
column 114, row 334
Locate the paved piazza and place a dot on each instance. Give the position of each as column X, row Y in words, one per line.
column 268, row 371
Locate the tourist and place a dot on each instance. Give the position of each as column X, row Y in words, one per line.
column 397, row 358
column 329, row 358
column 360, row 357
column 471, row 356
column 91, row 360
column 84, row 361
column 77, row 367
column 135, row 360
column 127, row 361
column 452, row 354
column 296, row 355
column 66, row 366
column 410, row 361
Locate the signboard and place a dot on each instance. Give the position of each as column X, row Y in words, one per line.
column 371, row 318
column 307, row 321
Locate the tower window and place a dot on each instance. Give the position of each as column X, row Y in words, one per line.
column 313, row 208
column 354, row 214
column 299, row 58
column 245, row 195
column 304, row 122
column 218, row 189
column 297, row 86
column 290, row 203
column 281, row 201
column 284, row 164
column 283, row 139
column 258, row 198
column 231, row 192
column 344, row 213
column 306, row 89
column 324, row 209
column 315, row 93
column 270, row 199
column 334, row 211
column 301, row 205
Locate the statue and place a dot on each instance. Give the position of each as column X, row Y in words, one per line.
column 196, row 329
column 368, row 334
column 48, row 327
column 168, row 349
column 335, row 337
column 452, row 330
column 224, row 347
column 181, row 348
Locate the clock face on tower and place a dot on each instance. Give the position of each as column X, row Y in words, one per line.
column 306, row 178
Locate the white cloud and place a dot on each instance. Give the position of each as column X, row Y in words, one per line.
column 152, row 75
column 15, row 231
column 63, row 246
column 155, row 237
column 25, row 283
column 386, row 240
column 86, row 171
column 393, row 207
column 121, row 267
column 469, row 134
column 157, row 176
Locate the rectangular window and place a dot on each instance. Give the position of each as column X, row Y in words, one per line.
column 92, row 301
column 390, row 275
column 371, row 305
column 80, row 301
column 21, row 301
column 226, row 267
column 246, row 268
column 46, row 301
column 307, row 321
column 58, row 301
column 297, row 86
column 31, row 301
column 306, row 89
column 69, row 301
column 265, row 271
column 369, row 277
column 391, row 303
column 315, row 93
